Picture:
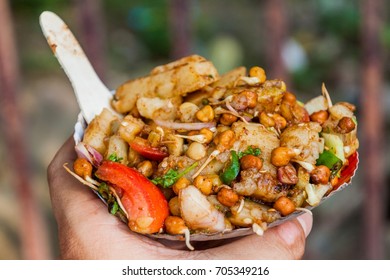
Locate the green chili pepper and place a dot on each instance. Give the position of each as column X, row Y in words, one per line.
column 232, row 170
column 331, row 161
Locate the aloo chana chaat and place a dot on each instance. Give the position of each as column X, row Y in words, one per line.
column 193, row 152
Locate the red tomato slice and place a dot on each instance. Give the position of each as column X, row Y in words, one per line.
column 144, row 202
column 144, row 149
column 348, row 171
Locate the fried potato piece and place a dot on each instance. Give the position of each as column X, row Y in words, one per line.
column 177, row 63
column 229, row 79
column 166, row 81
column 98, row 129
column 158, row 108
column 118, row 147
column 254, row 134
column 226, row 81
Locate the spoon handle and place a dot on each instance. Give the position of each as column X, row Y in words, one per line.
column 91, row 94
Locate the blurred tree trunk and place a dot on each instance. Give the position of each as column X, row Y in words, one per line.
column 92, row 26
column 276, row 24
column 373, row 127
column 180, row 28
column 33, row 234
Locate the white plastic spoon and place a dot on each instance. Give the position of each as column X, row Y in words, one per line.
column 92, row 95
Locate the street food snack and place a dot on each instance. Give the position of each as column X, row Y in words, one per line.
column 200, row 156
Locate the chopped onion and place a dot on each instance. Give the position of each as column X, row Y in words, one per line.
column 315, row 193
column 308, row 166
column 86, row 151
column 185, row 126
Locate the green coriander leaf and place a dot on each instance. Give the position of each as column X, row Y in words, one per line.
column 113, row 157
column 170, row 178
column 250, row 150
column 114, row 208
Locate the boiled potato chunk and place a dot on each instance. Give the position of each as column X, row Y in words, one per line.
column 172, row 80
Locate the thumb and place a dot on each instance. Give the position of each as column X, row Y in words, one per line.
column 286, row 241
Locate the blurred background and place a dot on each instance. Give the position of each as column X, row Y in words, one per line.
column 342, row 43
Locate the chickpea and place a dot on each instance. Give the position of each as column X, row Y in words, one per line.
column 281, row 156
column 196, row 151
column 174, row 206
column 346, row 125
column 286, row 112
column 181, row 183
column 215, row 180
column 145, row 167
column 175, row 225
column 280, row 122
column 251, row 98
column 82, row 167
column 222, row 128
column 300, row 114
column 284, row 205
column 320, row 175
column 206, row 114
column 289, row 98
column 319, row 116
column 208, row 134
column 258, row 72
column 227, row 119
column 204, row 184
column 225, row 140
column 227, row 197
column 266, row 120
column 239, row 101
column 251, row 161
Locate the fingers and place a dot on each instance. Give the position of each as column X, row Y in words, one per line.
column 286, row 241
column 66, row 193
column 306, row 222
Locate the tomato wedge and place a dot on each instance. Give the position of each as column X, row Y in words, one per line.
column 348, row 171
column 144, row 202
column 142, row 147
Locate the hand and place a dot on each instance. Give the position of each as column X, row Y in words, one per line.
column 87, row 231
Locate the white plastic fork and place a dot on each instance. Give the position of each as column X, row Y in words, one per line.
column 91, row 94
